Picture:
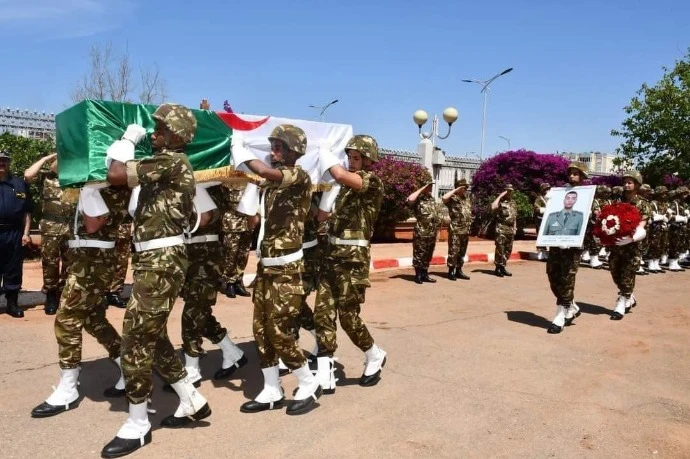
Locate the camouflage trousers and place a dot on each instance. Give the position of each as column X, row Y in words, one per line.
column 590, row 244
column 200, row 293
column 504, row 247
column 658, row 240
column 422, row 251
column 624, row 261
column 123, row 250
column 310, row 282
column 82, row 307
column 457, row 248
column 277, row 303
column 145, row 339
column 675, row 240
column 235, row 255
column 341, row 292
column 561, row 269
column 54, row 260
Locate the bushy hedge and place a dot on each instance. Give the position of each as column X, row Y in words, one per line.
column 399, row 179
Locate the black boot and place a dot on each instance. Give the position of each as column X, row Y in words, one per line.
column 505, row 273
column 230, row 290
column 13, row 308
column 451, row 273
column 426, row 278
column 417, row 276
column 119, row 447
column 240, row 290
column 498, row 271
column 114, row 299
column 51, row 305
column 460, row 274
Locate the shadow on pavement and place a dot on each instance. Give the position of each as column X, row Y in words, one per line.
column 490, row 272
column 528, row 318
column 593, row 309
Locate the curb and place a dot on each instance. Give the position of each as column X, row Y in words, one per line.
column 406, row 262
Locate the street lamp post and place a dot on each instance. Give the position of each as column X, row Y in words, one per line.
column 426, row 146
column 506, row 139
column 323, row 108
column 485, row 89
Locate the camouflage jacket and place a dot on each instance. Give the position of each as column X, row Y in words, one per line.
column 460, row 211
column 166, row 197
column 58, row 212
column 657, row 207
column 506, row 216
column 117, row 199
column 354, row 217
column 675, row 207
column 286, row 205
column 428, row 215
column 233, row 221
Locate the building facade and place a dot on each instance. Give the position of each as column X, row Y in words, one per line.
column 599, row 163
column 27, row 123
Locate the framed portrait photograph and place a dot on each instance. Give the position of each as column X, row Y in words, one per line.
column 565, row 220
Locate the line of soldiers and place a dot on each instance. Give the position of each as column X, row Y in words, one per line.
column 177, row 252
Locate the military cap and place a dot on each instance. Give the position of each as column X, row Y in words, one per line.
column 509, row 187
column 461, row 182
column 633, row 174
column 178, row 119
column 661, row 189
column 366, row 145
column 580, row 166
column 4, row 154
column 294, row 137
column 617, row 189
column 645, row 187
column 544, row 186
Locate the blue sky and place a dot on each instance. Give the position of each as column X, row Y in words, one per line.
column 577, row 64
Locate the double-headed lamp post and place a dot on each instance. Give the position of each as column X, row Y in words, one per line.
column 485, row 89
column 323, row 108
column 426, row 146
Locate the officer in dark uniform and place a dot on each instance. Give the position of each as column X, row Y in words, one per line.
column 15, row 217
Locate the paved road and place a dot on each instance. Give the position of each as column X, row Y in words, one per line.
column 471, row 373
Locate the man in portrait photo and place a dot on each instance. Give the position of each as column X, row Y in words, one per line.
column 567, row 221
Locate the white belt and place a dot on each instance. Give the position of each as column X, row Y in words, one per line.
column 201, row 239
column 159, row 243
column 355, row 242
column 285, row 259
column 83, row 243
column 310, row 244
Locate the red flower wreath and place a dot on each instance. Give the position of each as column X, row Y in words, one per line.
column 616, row 221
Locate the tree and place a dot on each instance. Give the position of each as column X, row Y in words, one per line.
column 111, row 77
column 656, row 132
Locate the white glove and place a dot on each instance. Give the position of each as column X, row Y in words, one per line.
column 680, row 219
column 328, row 198
column 240, row 153
column 120, row 150
column 542, row 210
column 665, row 219
column 326, row 158
column 249, row 202
column 91, row 202
column 203, row 202
column 134, row 133
column 657, row 217
column 639, row 234
column 624, row 240
column 133, row 200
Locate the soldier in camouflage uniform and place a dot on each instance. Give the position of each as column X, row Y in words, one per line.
column 284, row 206
column 505, row 211
column 355, row 204
column 562, row 266
column 677, row 228
column 81, row 305
column 644, row 192
column 539, row 209
column 160, row 266
column 237, row 240
column 428, row 216
column 460, row 211
column 626, row 254
column 123, row 250
column 685, row 253
column 592, row 247
column 57, row 216
column 658, row 229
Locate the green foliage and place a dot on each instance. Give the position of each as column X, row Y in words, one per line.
column 399, row 179
column 25, row 152
column 656, row 132
column 524, row 208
